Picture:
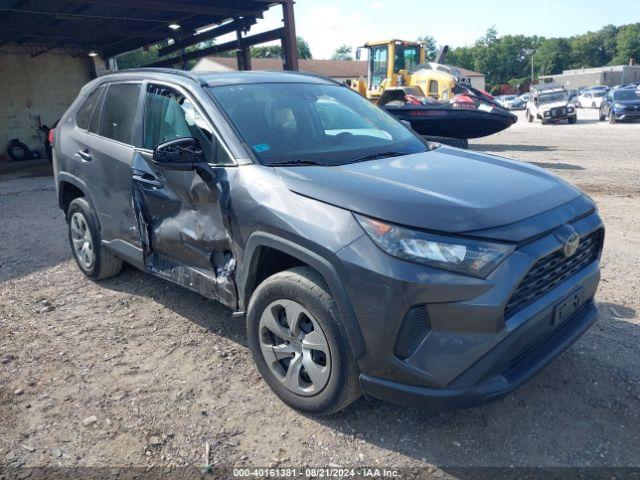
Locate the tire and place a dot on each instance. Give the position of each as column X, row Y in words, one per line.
column 593, row 105
column 572, row 120
column 601, row 116
column 307, row 298
column 612, row 118
column 18, row 151
column 81, row 219
column 529, row 117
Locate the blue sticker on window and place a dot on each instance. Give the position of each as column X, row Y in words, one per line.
column 261, row 147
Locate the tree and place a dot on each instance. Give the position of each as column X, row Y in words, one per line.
column 553, row 56
column 342, row 53
column 628, row 44
column 430, row 46
column 275, row 51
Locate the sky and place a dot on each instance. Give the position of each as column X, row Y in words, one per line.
column 327, row 24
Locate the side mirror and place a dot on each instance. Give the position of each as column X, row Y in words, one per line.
column 406, row 123
column 358, row 53
column 179, row 154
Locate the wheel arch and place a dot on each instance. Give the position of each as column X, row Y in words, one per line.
column 71, row 187
column 261, row 244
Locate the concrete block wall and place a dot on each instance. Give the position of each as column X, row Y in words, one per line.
column 37, row 90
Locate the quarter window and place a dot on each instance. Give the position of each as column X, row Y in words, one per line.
column 119, row 112
column 169, row 115
column 87, row 111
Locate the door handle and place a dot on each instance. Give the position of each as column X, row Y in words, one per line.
column 147, row 180
column 84, row 155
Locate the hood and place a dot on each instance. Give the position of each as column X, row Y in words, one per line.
column 446, row 189
column 547, row 106
column 628, row 103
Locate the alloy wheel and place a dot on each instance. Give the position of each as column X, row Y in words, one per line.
column 82, row 241
column 294, row 347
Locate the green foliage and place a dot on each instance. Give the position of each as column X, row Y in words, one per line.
column 343, row 52
column 275, row 51
column 628, row 44
column 507, row 58
column 430, row 46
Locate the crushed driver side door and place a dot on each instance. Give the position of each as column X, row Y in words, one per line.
column 183, row 216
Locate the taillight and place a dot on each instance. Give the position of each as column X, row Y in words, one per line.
column 51, row 135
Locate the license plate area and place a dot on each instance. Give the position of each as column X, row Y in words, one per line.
column 568, row 307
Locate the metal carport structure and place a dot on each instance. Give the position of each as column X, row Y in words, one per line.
column 112, row 27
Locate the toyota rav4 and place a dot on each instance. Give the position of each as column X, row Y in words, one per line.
column 363, row 258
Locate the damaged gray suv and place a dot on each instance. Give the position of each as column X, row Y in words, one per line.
column 364, row 259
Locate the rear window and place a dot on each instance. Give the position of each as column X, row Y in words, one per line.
column 119, row 112
column 88, row 109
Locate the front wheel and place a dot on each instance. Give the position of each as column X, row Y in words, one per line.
column 299, row 344
column 601, row 115
column 612, row 117
column 573, row 120
column 529, row 117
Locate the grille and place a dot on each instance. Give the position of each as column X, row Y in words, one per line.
column 548, row 272
column 555, row 112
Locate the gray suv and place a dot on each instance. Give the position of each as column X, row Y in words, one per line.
column 364, row 259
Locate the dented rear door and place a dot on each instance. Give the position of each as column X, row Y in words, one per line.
column 183, row 216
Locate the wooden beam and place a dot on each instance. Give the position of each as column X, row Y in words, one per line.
column 165, row 5
column 289, row 42
column 242, row 24
column 223, row 47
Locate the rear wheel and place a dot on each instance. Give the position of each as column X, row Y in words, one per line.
column 84, row 236
column 299, row 344
column 593, row 105
column 529, row 117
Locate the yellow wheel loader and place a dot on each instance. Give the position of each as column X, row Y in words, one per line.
column 434, row 98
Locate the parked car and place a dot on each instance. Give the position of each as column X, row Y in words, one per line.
column 591, row 98
column 525, row 98
column 550, row 104
column 364, row 258
column 621, row 104
column 511, row 102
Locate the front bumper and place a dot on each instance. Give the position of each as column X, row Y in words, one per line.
column 494, row 387
column 624, row 115
column 470, row 352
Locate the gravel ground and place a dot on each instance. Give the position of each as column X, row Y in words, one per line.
column 134, row 371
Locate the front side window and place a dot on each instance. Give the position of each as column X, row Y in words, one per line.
column 119, row 112
column 327, row 124
column 169, row 115
column 88, row 111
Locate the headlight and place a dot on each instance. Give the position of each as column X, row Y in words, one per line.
column 618, row 106
column 547, row 113
column 569, row 109
column 470, row 257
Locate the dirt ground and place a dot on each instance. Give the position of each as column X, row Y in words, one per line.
column 134, row 371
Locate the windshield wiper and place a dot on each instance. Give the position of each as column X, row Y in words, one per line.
column 299, row 162
column 375, row 156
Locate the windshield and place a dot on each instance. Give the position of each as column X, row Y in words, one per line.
column 599, row 93
column 553, row 97
column 627, row 95
column 304, row 122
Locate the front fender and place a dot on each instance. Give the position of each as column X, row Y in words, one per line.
column 247, row 272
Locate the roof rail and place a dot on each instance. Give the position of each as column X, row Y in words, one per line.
column 170, row 71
